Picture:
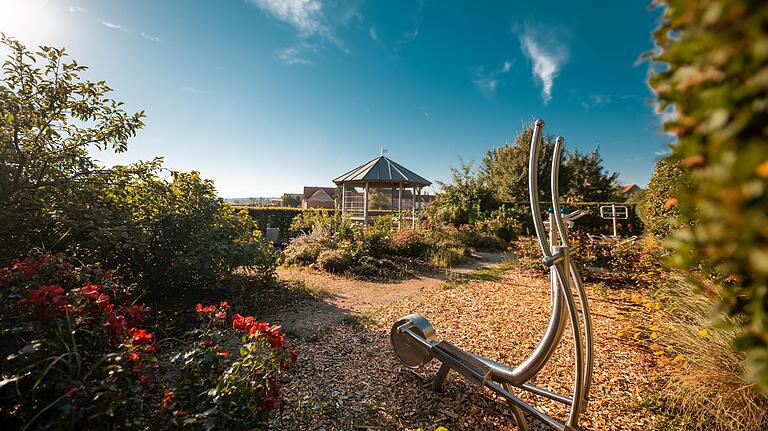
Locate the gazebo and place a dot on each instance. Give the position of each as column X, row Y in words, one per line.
column 380, row 186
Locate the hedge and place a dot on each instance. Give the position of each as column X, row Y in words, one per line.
column 281, row 218
column 274, row 217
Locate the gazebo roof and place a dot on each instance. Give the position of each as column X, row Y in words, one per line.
column 382, row 170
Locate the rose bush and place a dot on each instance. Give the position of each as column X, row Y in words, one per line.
column 77, row 351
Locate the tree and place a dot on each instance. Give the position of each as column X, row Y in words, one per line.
column 506, row 168
column 587, row 181
column 714, row 80
column 49, row 120
column 468, row 198
column 291, row 200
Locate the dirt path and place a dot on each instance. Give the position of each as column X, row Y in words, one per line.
column 348, row 379
column 344, row 298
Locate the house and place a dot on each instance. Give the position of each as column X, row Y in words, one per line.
column 628, row 190
column 318, row 197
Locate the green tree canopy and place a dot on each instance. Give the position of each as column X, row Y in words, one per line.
column 587, row 180
column 49, row 120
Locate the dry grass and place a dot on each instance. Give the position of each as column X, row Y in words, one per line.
column 709, row 388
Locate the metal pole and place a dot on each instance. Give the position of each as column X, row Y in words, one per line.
column 613, row 214
column 365, row 206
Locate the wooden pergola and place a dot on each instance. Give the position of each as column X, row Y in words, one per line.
column 388, row 178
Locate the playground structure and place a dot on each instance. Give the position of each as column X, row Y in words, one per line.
column 415, row 341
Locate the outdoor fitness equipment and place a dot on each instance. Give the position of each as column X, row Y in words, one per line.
column 613, row 212
column 415, row 341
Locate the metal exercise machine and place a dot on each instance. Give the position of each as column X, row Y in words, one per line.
column 415, row 341
column 613, row 212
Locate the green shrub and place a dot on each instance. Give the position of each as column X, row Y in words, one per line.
column 714, row 56
column 304, row 249
column 335, row 261
column 659, row 204
column 410, row 242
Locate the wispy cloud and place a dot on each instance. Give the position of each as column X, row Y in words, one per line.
column 305, row 15
column 374, row 34
column 149, row 37
column 547, row 55
column 596, row 100
column 111, row 25
column 192, row 90
column 77, row 9
column 488, row 82
column 297, row 54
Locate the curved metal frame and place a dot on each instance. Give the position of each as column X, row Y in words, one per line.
column 415, row 341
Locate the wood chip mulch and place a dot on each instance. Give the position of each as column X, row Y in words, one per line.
column 349, row 378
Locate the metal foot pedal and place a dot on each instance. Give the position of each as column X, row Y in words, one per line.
column 473, row 369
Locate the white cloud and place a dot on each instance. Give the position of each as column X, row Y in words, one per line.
column 547, row 55
column 596, row 100
column 192, row 90
column 76, row 9
column 149, row 37
column 111, row 25
column 489, row 82
column 296, row 54
column 373, row 33
column 305, row 15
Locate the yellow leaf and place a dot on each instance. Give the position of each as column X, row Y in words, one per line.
column 762, row 169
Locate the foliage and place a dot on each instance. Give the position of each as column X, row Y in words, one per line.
column 229, row 377
column 291, row 200
column 287, row 220
column 169, row 234
column 714, row 78
column 81, row 353
column 304, row 249
column 659, row 204
column 506, row 167
column 465, row 200
column 586, row 180
column 335, row 261
column 164, row 234
column 410, row 242
column 50, row 120
column 447, row 257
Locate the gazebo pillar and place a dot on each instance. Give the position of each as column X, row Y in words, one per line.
column 365, row 205
column 343, row 200
column 413, row 208
column 400, row 206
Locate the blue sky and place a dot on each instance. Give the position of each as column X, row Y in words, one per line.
column 265, row 96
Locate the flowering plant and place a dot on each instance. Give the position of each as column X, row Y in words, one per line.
column 229, row 379
column 76, row 353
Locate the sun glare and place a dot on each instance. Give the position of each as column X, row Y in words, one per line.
column 31, row 21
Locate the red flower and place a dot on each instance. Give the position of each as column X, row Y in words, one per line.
column 205, row 310
column 224, row 304
column 223, row 354
column 221, row 314
column 294, row 356
column 285, row 365
column 133, row 357
column 207, row 344
column 140, row 336
column 91, row 291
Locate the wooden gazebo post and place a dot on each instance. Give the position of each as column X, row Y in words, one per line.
column 400, row 206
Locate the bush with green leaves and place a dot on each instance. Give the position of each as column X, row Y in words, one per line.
column 167, row 231
column 334, row 260
column 660, row 200
column 714, row 79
